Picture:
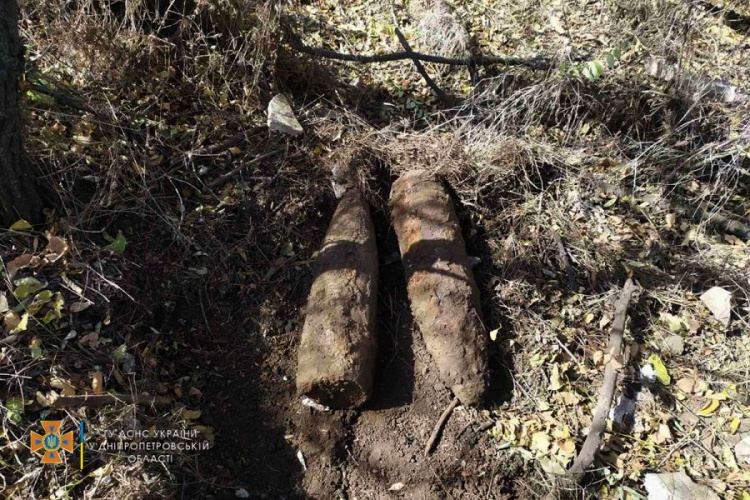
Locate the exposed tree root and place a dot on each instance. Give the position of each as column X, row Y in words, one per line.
column 432, row 442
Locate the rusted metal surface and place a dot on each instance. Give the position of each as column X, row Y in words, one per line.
column 338, row 348
column 443, row 294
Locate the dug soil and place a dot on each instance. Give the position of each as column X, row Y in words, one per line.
column 272, row 446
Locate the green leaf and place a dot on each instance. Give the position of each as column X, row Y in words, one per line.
column 596, row 68
column 27, row 286
column 15, row 410
column 56, row 311
column 21, row 225
column 116, row 244
column 611, row 60
column 287, row 249
column 36, row 347
column 120, row 352
column 617, row 53
column 660, row 369
column 611, row 202
column 40, row 300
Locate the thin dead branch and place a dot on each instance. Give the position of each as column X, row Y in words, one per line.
column 432, row 442
column 565, row 261
column 599, row 422
column 224, row 178
column 110, row 399
column 422, row 71
column 536, row 63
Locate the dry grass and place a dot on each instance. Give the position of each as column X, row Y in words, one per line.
column 439, row 29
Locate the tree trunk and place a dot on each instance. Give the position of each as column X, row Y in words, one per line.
column 19, row 198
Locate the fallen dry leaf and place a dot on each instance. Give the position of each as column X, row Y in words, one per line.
column 676, row 486
column 97, row 382
column 686, row 384
column 709, row 408
column 77, row 307
column 56, row 248
column 91, row 338
column 719, row 302
column 396, row 487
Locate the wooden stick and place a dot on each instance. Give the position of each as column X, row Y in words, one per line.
column 565, row 261
column 420, row 67
column 538, row 63
column 599, row 422
column 109, row 399
column 222, row 179
column 432, row 442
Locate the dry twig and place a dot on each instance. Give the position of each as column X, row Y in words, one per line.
column 222, row 179
column 599, row 422
column 422, row 71
column 432, row 442
column 110, row 399
column 538, row 63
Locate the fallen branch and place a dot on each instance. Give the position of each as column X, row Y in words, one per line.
column 236, row 140
column 422, row 71
column 599, row 422
column 565, row 261
column 432, row 442
column 537, row 63
column 224, row 178
column 702, row 213
column 110, row 399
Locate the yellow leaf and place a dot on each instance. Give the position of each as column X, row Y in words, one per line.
column 22, row 325
column 719, row 396
column 21, row 225
column 710, row 407
column 568, row 448
column 191, row 414
column 540, row 441
column 97, row 382
column 554, row 379
column 734, row 425
column 235, row 150
column 493, row 334
column 661, row 371
column 729, row 459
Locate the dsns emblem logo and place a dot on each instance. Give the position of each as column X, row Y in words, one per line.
column 52, row 442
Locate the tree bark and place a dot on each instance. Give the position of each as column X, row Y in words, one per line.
column 19, row 198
